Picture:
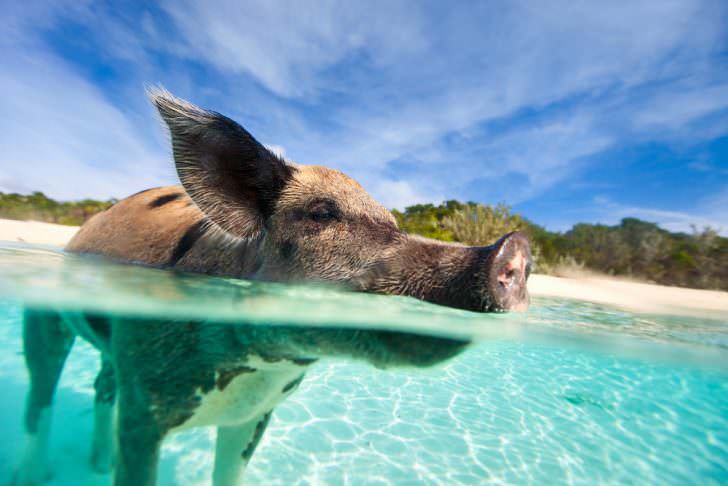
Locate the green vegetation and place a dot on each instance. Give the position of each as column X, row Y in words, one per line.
column 633, row 248
column 39, row 207
column 640, row 249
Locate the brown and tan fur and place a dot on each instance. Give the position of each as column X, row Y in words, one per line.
column 243, row 212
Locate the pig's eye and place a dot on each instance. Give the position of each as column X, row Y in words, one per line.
column 323, row 212
column 321, row 216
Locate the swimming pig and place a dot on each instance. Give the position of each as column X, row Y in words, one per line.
column 242, row 211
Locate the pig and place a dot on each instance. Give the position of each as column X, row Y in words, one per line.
column 244, row 212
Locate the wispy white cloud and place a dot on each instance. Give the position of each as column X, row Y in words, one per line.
column 499, row 101
column 398, row 194
column 21, row 20
column 278, row 150
column 59, row 134
column 286, row 45
column 709, row 213
column 668, row 112
column 717, row 204
column 454, row 70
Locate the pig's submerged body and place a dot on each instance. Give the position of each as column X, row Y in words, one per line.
column 243, row 212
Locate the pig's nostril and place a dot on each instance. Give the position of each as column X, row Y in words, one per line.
column 510, row 267
column 506, row 278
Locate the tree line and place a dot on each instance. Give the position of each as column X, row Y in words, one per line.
column 38, row 207
column 632, row 248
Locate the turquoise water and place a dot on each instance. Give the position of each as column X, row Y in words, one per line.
column 569, row 393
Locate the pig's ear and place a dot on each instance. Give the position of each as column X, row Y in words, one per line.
column 233, row 178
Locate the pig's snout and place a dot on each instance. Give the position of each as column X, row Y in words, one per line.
column 480, row 279
column 508, row 267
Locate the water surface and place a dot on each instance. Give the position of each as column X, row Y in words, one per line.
column 571, row 392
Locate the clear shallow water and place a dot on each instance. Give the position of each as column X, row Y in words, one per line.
column 571, row 392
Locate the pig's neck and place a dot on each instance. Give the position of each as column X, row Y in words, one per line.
column 217, row 253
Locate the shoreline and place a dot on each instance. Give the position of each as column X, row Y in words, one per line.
column 638, row 297
column 626, row 294
column 36, row 232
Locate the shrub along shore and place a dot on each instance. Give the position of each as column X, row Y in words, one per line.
column 633, row 248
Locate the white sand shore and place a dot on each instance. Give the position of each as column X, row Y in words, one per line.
column 640, row 297
column 36, row 232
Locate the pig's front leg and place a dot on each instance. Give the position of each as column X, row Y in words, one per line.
column 234, row 448
column 139, row 438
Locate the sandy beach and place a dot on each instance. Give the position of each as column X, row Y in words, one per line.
column 634, row 296
column 36, row 232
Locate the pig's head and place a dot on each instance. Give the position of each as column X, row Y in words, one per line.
column 313, row 223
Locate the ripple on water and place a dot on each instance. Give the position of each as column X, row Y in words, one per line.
column 558, row 401
column 501, row 412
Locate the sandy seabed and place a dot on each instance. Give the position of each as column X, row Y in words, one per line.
column 638, row 297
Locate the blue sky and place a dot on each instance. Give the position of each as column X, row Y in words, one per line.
column 568, row 111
